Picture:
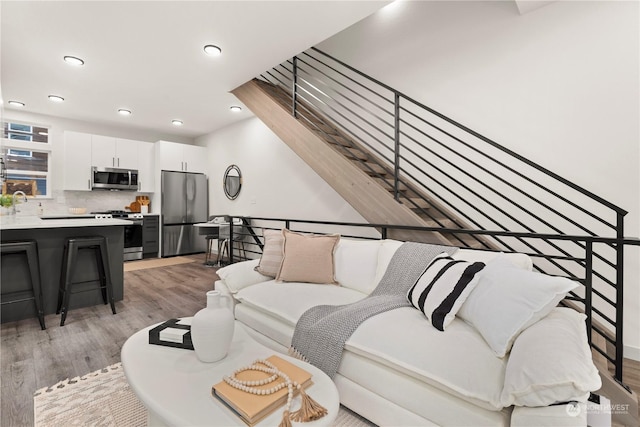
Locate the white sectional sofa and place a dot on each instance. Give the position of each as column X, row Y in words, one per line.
column 399, row 370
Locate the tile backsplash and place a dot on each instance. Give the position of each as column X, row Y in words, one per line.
column 93, row 201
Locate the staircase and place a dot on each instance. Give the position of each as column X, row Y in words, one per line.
column 360, row 169
column 398, row 161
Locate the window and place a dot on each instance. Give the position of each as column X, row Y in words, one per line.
column 23, row 132
column 26, row 155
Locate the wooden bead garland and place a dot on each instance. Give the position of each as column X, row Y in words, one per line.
column 309, row 408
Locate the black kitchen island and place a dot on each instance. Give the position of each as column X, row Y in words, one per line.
column 50, row 235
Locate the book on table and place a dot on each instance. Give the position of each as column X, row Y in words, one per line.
column 252, row 408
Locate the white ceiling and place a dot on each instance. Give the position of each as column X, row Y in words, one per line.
column 147, row 56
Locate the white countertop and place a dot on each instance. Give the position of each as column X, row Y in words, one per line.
column 20, row 222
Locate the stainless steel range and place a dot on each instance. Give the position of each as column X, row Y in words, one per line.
column 132, row 232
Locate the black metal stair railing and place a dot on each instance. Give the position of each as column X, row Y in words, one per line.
column 456, row 178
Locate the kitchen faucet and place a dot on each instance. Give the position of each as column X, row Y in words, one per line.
column 24, row 197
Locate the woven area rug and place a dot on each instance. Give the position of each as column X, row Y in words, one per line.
column 155, row 262
column 103, row 398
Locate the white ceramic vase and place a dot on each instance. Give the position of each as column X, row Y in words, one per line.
column 212, row 329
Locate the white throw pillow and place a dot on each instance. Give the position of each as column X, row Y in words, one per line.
column 240, row 275
column 443, row 287
column 551, row 362
column 477, row 255
column 508, row 299
column 355, row 262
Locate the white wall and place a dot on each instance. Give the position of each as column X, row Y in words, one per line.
column 61, row 200
column 558, row 85
column 276, row 182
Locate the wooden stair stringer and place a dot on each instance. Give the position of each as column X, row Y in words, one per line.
column 437, row 215
column 365, row 195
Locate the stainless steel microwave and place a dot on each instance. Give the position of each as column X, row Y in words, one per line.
column 114, row 179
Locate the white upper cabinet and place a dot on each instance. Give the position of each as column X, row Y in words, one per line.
column 82, row 151
column 77, row 161
column 195, row 158
column 110, row 152
column 127, row 153
column 146, row 167
column 181, row 157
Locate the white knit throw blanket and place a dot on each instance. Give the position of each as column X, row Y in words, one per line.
column 322, row 330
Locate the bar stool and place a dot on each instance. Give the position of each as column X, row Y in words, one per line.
column 72, row 245
column 30, row 249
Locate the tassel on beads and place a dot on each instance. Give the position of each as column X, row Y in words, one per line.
column 310, row 410
column 286, row 420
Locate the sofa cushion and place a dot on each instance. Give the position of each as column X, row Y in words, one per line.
column 272, row 255
column 519, row 260
column 443, row 287
column 356, row 262
column 287, row 301
column 551, row 362
column 508, row 299
column 308, row 258
column 240, row 275
column 457, row 361
column 388, row 247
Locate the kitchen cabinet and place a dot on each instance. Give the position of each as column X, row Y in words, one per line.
column 181, row 157
column 146, row 167
column 150, row 236
column 110, row 152
column 77, row 161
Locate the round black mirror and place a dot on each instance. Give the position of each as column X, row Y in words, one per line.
column 232, row 182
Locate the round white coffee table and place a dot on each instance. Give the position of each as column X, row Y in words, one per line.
column 175, row 386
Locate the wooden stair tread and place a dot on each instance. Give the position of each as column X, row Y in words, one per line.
column 415, row 203
column 372, row 169
column 388, row 184
column 351, row 154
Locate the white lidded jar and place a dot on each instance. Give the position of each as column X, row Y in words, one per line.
column 212, row 329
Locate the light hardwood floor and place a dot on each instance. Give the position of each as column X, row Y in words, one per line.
column 92, row 337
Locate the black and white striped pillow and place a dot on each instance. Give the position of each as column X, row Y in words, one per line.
column 443, row 288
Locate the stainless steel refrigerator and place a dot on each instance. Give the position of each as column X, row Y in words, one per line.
column 185, row 201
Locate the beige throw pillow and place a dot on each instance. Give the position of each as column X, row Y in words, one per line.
column 272, row 255
column 308, row 258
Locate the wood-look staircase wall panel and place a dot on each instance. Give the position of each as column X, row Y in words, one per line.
column 366, row 196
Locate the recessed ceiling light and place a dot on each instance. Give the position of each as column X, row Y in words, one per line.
column 16, row 103
column 124, row 112
column 56, row 98
column 212, row 50
column 73, row 60
column 235, row 108
column 176, row 122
